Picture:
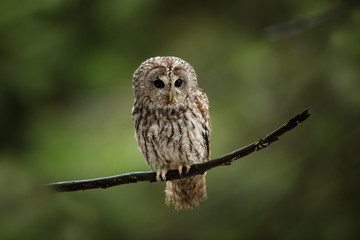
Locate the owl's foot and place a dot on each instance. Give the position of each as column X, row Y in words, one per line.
column 181, row 167
column 161, row 175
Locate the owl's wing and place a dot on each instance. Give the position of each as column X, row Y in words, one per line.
column 206, row 135
column 203, row 105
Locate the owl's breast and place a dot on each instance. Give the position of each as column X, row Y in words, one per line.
column 171, row 137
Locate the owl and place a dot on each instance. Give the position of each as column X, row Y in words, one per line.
column 172, row 125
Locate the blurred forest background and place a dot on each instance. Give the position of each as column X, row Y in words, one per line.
column 65, row 101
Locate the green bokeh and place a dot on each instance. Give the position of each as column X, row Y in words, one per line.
column 65, row 114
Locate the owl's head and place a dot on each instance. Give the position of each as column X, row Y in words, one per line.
column 165, row 81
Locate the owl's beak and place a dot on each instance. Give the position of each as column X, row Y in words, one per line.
column 171, row 97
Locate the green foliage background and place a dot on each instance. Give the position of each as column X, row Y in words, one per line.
column 65, row 101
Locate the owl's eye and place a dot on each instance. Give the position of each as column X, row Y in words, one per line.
column 178, row 83
column 159, row 84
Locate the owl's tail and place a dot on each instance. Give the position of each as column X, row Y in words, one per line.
column 186, row 193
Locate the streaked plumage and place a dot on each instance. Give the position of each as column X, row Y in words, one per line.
column 172, row 124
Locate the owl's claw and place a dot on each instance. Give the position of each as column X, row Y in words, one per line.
column 161, row 175
column 180, row 169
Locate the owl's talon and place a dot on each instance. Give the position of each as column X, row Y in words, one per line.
column 158, row 178
column 161, row 175
column 187, row 168
column 180, row 169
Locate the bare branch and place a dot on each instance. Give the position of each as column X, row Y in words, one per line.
column 196, row 169
column 301, row 25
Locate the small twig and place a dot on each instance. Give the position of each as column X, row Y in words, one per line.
column 301, row 25
column 196, row 169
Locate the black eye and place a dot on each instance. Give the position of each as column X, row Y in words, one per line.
column 159, row 84
column 178, row 83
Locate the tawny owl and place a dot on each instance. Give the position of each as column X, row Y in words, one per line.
column 172, row 125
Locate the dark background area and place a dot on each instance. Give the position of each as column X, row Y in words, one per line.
column 65, row 113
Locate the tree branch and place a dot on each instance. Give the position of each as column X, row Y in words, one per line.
column 301, row 25
column 196, row 169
